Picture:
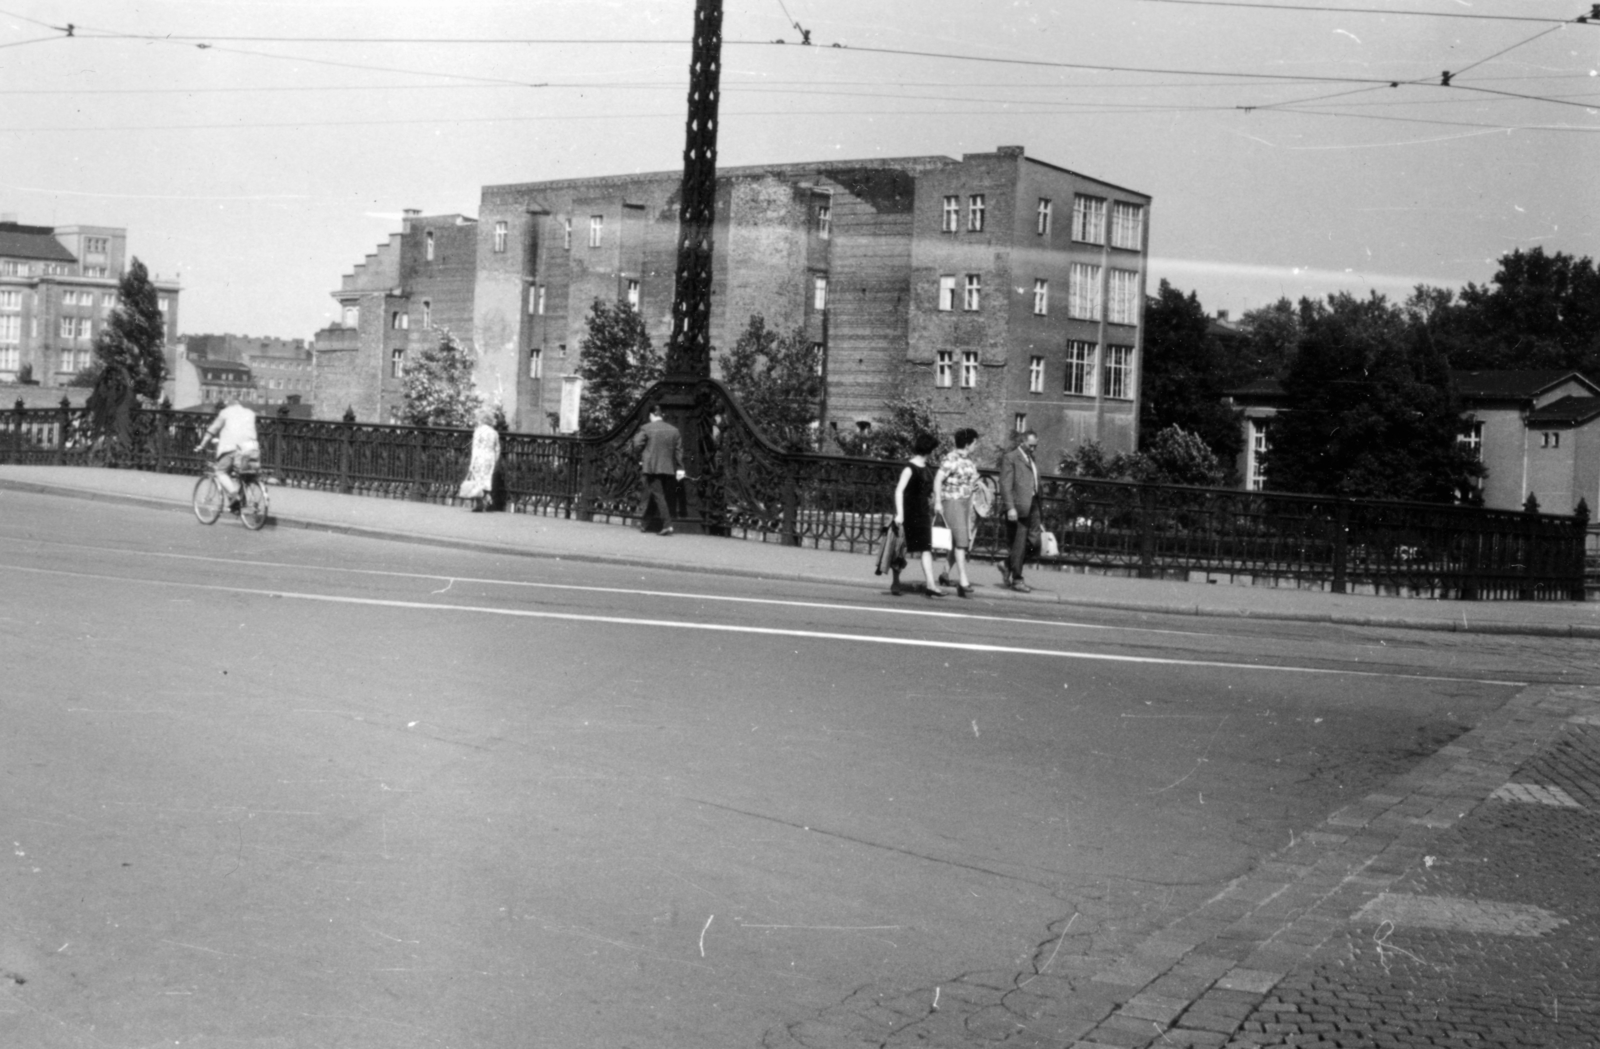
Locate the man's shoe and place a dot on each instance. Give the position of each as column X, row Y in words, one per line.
column 666, row 531
column 1022, row 588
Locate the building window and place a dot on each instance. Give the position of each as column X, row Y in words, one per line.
column 969, row 369
column 561, row 350
column 1089, row 220
column 66, row 361
column 1122, row 306
column 1255, row 471
column 399, row 320
column 819, row 293
column 69, row 298
column 397, row 363
column 1035, row 374
column 10, row 299
column 1119, row 372
column 68, row 327
column 633, row 294
column 1550, row 439
column 1083, row 292
column 1080, row 368
column 819, row 353
column 1044, row 216
column 1471, row 438
column 10, row 331
column 566, row 234
column 536, row 363
column 1041, row 298
column 95, row 271
column 947, row 293
column 944, row 369
column 84, row 329
column 108, row 301
column 352, row 316
column 974, row 291
column 10, row 356
column 95, row 245
column 975, row 213
column 824, row 221
column 597, row 226
column 500, row 237
column 538, row 300
column 1127, row 226
column 1019, row 422
column 952, row 214
column 163, row 304
column 427, row 314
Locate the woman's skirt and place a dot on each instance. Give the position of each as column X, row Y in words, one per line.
column 958, row 518
column 919, row 535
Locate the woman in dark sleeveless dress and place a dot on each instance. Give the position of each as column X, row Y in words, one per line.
column 913, row 510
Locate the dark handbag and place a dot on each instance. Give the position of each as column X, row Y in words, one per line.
column 891, row 550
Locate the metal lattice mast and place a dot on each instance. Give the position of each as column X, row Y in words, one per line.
column 689, row 352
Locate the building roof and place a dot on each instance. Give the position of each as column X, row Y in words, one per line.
column 32, row 242
column 1513, row 385
column 1568, row 411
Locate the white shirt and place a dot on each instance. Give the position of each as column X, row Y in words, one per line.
column 235, row 430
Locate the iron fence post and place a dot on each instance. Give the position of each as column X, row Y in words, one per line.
column 586, row 457
column 1341, row 546
column 20, row 420
column 64, row 420
column 791, row 510
column 1147, row 532
column 345, row 456
column 1579, row 562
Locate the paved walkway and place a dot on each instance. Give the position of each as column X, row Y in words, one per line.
column 536, row 536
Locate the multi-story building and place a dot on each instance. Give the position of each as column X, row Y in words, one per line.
column 1005, row 290
column 58, row 286
column 281, row 369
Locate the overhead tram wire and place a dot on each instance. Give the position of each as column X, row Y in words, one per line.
column 1591, row 19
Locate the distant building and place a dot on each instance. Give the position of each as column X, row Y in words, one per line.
column 1536, row 432
column 1005, row 290
column 281, row 369
column 58, row 286
column 199, row 383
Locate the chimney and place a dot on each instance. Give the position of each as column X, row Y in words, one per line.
column 1010, row 151
column 410, row 214
column 1222, row 315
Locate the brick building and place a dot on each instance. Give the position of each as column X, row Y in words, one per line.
column 58, row 286
column 280, row 369
column 1004, row 289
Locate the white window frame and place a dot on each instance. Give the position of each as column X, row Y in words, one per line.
column 951, row 219
column 1472, row 440
column 1260, row 441
column 1041, row 298
column 1127, row 226
column 108, row 301
column 944, row 368
column 427, row 245
column 819, row 292
column 10, row 330
column 11, row 300
column 427, row 314
column 597, row 230
column 536, row 362
column 1081, row 363
column 68, row 327
column 1045, row 211
column 972, row 293
column 1122, row 305
column 566, row 234
column 975, row 213
column 397, row 362
column 632, row 293
column 538, row 300
column 969, row 369
column 1035, row 374
column 947, row 293
column 1083, row 291
column 1019, row 422
column 163, row 304
column 825, row 221
column 1118, row 369
column 1088, row 219
column 85, row 328
column 502, row 234
column 10, row 353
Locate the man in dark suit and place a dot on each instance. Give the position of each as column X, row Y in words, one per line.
column 1019, row 494
column 661, row 456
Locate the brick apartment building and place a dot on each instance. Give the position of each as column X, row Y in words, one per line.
column 280, row 370
column 1005, row 289
column 58, row 286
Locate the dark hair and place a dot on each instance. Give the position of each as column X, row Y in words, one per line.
column 965, row 436
column 924, row 443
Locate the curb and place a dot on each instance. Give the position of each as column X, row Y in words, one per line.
column 1569, row 630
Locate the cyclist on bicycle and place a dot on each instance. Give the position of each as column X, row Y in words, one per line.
column 234, row 430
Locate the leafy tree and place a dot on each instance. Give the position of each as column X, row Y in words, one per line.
column 776, row 379
column 1371, row 409
column 129, row 354
column 438, row 386
column 906, row 418
column 1541, row 311
column 1173, row 456
column 1272, row 335
column 1185, row 375
column 618, row 364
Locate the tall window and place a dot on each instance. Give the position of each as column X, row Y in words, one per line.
column 819, row 293
column 1080, row 368
column 1122, row 306
column 1089, row 220
column 1019, row 422
column 501, row 235
column 947, row 292
column 10, row 356
column 68, row 327
column 10, row 330
column 566, row 234
column 824, row 221
column 536, row 362
column 974, row 291
column 952, row 214
column 1083, row 292
column 975, row 213
column 96, row 245
column 1471, row 439
column 1035, row 374
column 399, row 320
column 352, row 316
column 597, row 226
column 538, row 300
column 1119, row 372
column 633, row 294
column 944, row 368
column 10, row 299
column 397, row 363
column 84, row 329
column 1550, row 438
column 969, row 369
column 1044, row 216
column 1127, row 226
column 1260, row 441
column 108, row 301
column 1041, row 298
column 427, row 241
column 163, row 304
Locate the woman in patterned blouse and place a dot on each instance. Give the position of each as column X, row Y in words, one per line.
column 957, row 477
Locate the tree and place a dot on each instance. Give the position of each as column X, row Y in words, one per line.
column 130, row 355
column 618, row 364
column 1371, row 410
column 1271, row 338
column 438, row 386
column 907, row 417
column 1173, row 456
column 777, row 380
column 1185, row 375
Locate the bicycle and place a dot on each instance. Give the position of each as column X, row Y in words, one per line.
column 250, row 503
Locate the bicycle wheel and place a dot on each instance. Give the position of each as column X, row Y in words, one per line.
column 207, row 500
column 253, row 511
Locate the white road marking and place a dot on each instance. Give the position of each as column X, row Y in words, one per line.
column 731, row 628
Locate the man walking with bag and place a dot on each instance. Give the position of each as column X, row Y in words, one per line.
column 1019, row 493
column 661, row 457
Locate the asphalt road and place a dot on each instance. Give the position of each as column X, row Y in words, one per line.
column 297, row 789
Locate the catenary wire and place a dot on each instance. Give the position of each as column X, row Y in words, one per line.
column 1364, row 11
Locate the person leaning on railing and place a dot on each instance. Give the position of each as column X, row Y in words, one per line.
column 234, row 430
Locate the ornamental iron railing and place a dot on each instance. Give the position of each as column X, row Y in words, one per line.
column 750, row 489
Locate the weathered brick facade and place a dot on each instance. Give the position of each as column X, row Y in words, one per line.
column 853, row 252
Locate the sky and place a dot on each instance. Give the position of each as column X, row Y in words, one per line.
column 257, row 150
